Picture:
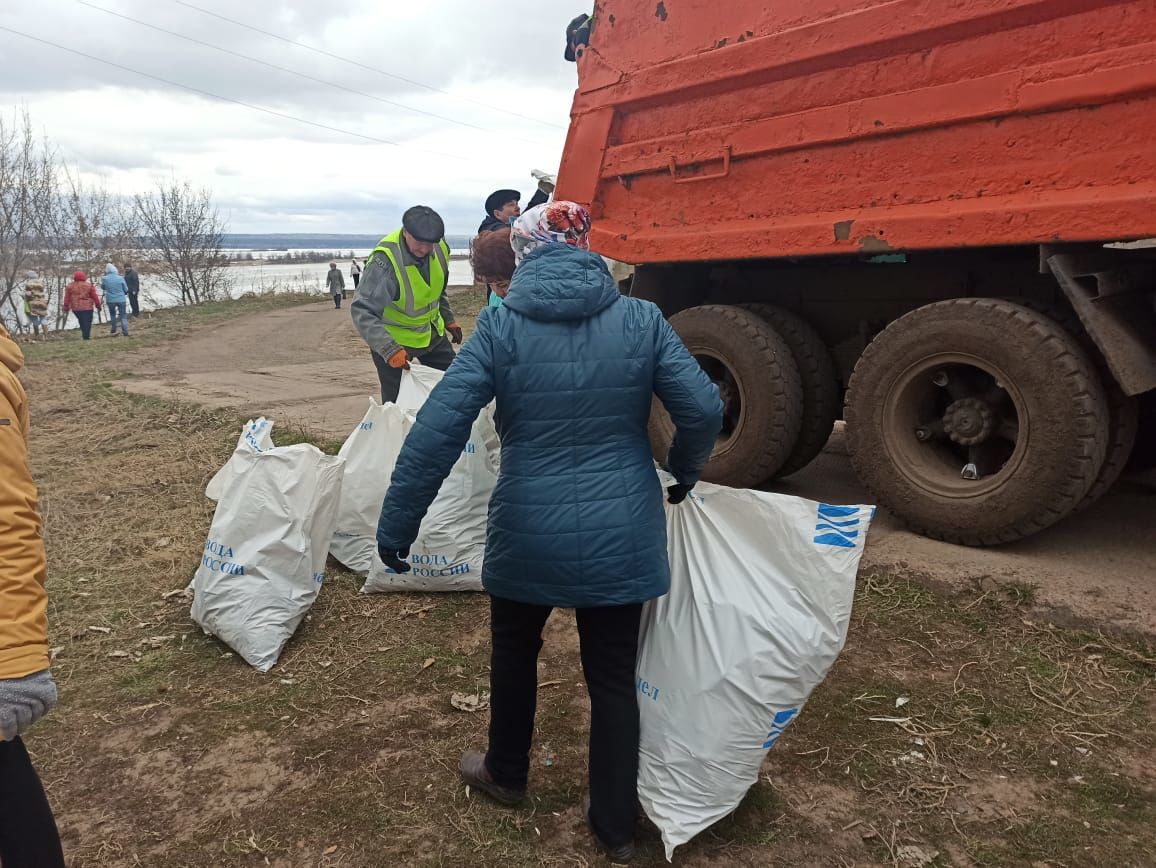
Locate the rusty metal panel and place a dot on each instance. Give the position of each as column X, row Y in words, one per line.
column 811, row 127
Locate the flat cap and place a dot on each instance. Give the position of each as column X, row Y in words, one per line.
column 500, row 198
column 424, row 224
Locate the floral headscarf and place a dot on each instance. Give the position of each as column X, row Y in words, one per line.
column 552, row 223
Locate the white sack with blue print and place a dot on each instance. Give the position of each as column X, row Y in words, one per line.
column 370, row 453
column 451, row 542
column 760, row 601
column 264, row 560
column 256, row 436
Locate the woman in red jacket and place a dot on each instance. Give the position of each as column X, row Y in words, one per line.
column 81, row 298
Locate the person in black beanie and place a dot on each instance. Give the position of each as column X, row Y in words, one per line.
column 502, row 208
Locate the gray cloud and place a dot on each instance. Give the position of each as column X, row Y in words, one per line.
column 273, row 174
column 519, row 39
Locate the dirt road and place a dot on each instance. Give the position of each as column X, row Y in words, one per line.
column 307, row 366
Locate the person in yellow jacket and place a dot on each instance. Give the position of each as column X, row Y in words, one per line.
column 28, row 834
column 401, row 309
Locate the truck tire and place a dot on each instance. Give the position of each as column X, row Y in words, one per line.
column 761, row 391
column 1123, row 411
column 976, row 421
column 819, row 380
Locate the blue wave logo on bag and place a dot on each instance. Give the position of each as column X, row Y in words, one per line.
column 839, row 525
column 253, row 432
column 778, row 725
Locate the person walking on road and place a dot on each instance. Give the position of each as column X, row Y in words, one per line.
column 132, row 281
column 573, row 365
column 401, row 309
column 82, row 299
column 36, row 305
column 335, row 281
column 355, row 272
column 116, row 297
column 28, row 833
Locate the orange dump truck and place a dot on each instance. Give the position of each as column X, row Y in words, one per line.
column 913, row 214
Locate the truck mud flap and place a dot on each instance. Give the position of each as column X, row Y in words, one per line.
column 1116, row 308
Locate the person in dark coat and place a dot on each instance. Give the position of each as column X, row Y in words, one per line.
column 132, row 281
column 503, row 207
column 577, row 518
column 335, row 284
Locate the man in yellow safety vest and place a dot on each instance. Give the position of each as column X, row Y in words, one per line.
column 401, row 309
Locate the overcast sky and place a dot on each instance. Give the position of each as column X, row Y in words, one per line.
column 495, row 61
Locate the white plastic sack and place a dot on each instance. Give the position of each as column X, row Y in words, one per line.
column 758, row 610
column 370, row 453
column 264, row 560
column 256, row 436
column 416, row 385
column 451, row 543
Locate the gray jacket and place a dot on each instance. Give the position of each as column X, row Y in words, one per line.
column 335, row 281
column 378, row 288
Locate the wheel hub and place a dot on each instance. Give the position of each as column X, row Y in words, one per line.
column 727, row 392
column 969, row 421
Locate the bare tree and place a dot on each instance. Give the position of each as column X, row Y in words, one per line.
column 28, row 192
column 90, row 227
column 183, row 232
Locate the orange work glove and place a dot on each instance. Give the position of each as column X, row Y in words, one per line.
column 455, row 331
column 400, row 359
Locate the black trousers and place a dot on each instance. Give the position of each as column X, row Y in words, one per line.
column 84, row 319
column 28, row 835
column 609, row 638
column 356, row 279
column 439, row 354
column 134, row 303
column 337, row 300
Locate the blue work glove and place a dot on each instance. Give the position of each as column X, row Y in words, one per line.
column 395, row 559
column 677, row 493
column 23, row 701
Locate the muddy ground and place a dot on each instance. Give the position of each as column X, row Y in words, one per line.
column 963, row 725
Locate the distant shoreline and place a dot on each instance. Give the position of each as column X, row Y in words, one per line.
column 342, row 262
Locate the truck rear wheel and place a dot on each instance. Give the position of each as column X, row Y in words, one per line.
column 819, row 380
column 760, row 387
column 1123, row 411
column 976, row 421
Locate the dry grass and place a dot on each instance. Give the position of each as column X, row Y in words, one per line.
column 1018, row 743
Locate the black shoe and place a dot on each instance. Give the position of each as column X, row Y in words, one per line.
column 475, row 774
column 620, row 855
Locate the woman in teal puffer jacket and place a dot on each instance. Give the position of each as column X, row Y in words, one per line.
column 116, row 297
column 577, row 518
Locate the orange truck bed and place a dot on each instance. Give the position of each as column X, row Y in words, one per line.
column 740, row 129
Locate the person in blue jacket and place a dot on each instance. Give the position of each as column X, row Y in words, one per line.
column 577, row 519
column 116, row 297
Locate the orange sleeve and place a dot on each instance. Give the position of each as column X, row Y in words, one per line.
column 23, row 568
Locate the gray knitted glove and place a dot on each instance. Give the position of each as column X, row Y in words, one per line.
column 23, row 701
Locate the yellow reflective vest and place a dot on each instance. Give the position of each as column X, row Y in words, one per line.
column 413, row 318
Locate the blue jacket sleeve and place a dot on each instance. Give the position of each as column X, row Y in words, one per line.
column 436, row 440
column 692, row 401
